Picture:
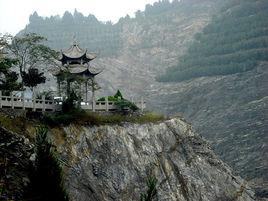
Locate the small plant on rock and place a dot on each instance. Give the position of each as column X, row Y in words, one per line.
column 151, row 189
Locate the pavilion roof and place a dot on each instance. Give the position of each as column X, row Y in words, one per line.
column 75, row 52
column 78, row 69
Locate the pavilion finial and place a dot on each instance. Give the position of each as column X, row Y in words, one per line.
column 74, row 39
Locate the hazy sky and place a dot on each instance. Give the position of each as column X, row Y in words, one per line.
column 14, row 14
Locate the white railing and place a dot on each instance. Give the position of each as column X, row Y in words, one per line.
column 43, row 104
column 108, row 105
column 15, row 102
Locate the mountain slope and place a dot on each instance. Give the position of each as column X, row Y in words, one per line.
column 231, row 111
column 234, row 42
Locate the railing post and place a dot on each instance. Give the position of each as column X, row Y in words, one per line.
column 34, row 102
column 43, row 103
column 106, row 104
column 23, row 100
column 0, row 99
column 53, row 104
column 93, row 105
column 12, row 101
column 142, row 106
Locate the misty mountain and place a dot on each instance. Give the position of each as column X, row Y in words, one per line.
column 105, row 37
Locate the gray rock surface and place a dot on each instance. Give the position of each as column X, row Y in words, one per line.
column 15, row 151
column 112, row 162
column 230, row 111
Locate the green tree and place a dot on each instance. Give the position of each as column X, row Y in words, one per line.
column 30, row 53
column 46, row 174
column 8, row 78
column 118, row 95
column 32, row 78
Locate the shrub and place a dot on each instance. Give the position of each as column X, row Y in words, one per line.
column 122, row 104
column 46, row 173
column 70, row 104
column 48, row 95
column 125, row 105
column 118, row 96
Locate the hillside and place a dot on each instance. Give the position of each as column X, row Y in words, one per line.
column 231, row 112
column 60, row 31
column 234, row 42
column 149, row 43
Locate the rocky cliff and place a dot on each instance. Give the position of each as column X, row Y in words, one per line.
column 15, row 152
column 230, row 111
column 112, row 162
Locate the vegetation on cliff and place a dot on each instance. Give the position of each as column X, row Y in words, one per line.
column 46, row 182
column 234, row 42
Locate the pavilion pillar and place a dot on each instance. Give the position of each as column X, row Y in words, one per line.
column 34, row 100
column 86, row 85
column 142, row 104
column 59, row 87
column 23, row 100
column 0, row 99
column 93, row 95
column 68, row 88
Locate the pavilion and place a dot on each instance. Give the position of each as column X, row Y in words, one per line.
column 75, row 65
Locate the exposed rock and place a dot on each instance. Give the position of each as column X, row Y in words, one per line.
column 15, row 152
column 230, row 111
column 112, row 162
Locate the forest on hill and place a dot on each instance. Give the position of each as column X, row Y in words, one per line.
column 60, row 31
column 234, row 42
column 107, row 38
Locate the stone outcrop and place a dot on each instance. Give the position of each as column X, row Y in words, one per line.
column 15, row 152
column 112, row 162
column 230, row 111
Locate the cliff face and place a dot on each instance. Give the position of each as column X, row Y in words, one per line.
column 113, row 162
column 15, row 152
column 230, row 111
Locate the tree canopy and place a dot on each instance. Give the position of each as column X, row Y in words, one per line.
column 32, row 78
column 8, row 79
column 30, row 51
column 29, row 54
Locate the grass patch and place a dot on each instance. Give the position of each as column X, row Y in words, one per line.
column 17, row 124
column 90, row 118
column 20, row 125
